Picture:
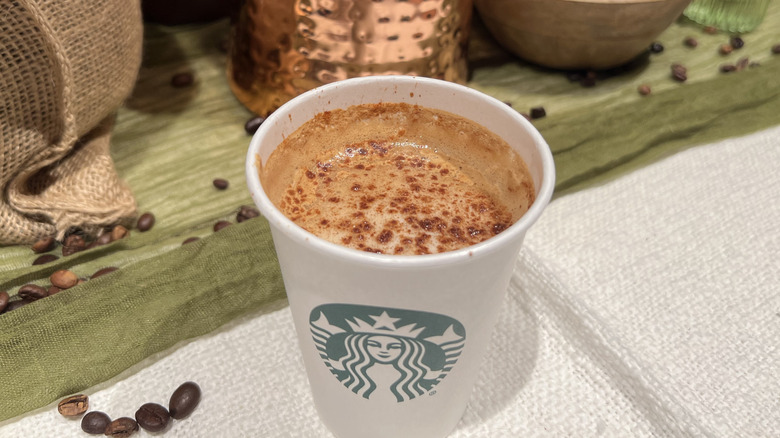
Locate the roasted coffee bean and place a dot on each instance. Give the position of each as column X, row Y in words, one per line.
column 74, row 405
column 4, row 297
column 538, row 112
column 656, row 47
column 181, row 80
column 712, row 30
column 644, row 89
column 119, row 232
column 64, row 279
column 104, row 239
column 53, row 290
column 737, row 42
column 45, row 258
column 32, row 292
column 725, row 49
column 73, row 244
column 679, row 72
column 95, row 423
column 152, row 417
column 220, row 225
column 190, row 240
column 145, row 222
column 728, row 68
column 742, row 64
column 221, row 184
column 246, row 213
column 690, row 42
column 121, row 427
column 15, row 304
column 508, row 103
column 184, row 400
column 776, row 49
column 252, row 125
column 104, row 271
column 75, row 241
column 44, row 245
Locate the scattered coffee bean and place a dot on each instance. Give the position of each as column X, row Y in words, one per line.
column 104, row 239
column 184, row 400
column 32, row 292
column 74, row 240
column 119, row 232
column 15, row 304
column 220, row 225
column 728, row 68
column 538, row 112
column 104, row 271
column 45, row 258
column 53, row 290
column 737, row 42
column 508, row 103
column 690, row 42
column 145, row 222
column 190, row 240
column 656, row 47
column 181, row 80
column 776, row 49
column 152, row 417
column 725, row 49
column 742, row 63
column 526, row 115
column 95, row 423
column 44, row 245
column 712, row 30
column 4, row 297
column 220, row 184
column 245, row 213
column 64, row 279
column 74, row 405
column 73, row 244
column 252, row 125
column 679, row 72
column 644, row 89
column 121, row 427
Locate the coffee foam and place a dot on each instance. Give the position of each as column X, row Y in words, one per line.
column 398, row 179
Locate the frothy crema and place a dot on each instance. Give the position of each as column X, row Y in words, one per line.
column 394, row 178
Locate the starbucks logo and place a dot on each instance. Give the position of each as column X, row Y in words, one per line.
column 385, row 353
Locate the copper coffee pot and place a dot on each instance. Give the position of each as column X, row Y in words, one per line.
column 281, row 48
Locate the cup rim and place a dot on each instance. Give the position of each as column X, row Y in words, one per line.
column 276, row 218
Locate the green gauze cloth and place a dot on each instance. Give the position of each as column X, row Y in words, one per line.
column 78, row 338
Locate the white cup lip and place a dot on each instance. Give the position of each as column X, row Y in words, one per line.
column 277, row 219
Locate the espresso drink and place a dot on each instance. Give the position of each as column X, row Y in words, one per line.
column 394, row 178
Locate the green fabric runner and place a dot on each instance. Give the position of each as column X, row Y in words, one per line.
column 169, row 144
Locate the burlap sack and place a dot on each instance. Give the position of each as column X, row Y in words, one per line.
column 65, row 68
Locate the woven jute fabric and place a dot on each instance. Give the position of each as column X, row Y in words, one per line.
column 65, row 68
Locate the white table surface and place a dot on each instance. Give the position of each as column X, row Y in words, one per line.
column 649, row 306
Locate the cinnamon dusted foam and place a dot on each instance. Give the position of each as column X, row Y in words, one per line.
column 398, row 179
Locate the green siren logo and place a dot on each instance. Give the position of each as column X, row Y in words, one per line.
column 384, row 353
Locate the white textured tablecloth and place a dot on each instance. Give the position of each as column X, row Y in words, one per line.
column 646, row 307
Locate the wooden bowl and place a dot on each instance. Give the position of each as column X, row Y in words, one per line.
column 578, row 34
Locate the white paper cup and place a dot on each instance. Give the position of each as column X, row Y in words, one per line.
column 392, row 344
